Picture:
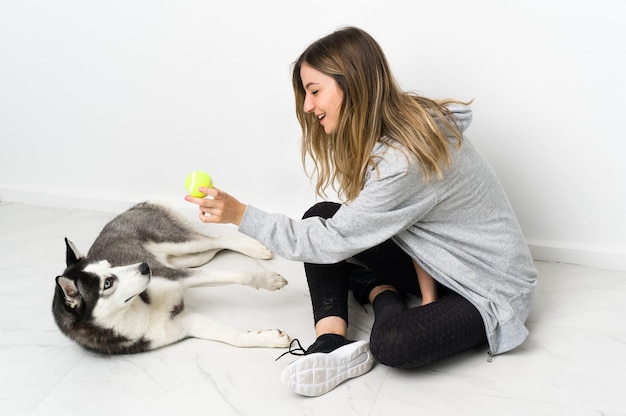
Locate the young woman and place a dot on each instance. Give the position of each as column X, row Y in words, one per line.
column 423, row 213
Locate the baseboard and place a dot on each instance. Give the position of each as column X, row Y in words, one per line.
column 603, row 257
column 91, row 202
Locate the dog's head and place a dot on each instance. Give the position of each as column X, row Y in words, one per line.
column 91, row 292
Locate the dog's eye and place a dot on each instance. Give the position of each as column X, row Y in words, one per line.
column 108, row 283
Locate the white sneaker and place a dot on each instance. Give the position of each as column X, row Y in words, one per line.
column 318, row 373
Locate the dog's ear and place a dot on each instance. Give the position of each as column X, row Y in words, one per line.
column 72, row 254
column 70, row 292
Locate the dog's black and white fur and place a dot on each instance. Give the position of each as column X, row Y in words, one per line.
column 126, row 295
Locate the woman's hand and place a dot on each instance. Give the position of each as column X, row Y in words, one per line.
column 218, row 207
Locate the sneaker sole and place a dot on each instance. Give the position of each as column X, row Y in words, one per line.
column 319, row 373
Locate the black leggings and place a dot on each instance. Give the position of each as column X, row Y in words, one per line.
column 401, row 337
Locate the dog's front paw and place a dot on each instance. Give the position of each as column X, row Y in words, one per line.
column 270, row 338
column 272, row 281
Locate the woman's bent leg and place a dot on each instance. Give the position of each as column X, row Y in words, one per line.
column 328, row 283
column 413, row 337
column 331, row 359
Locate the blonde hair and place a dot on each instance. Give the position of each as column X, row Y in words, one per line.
column 373, row 107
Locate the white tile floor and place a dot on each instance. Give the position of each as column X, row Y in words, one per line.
column 574, row 362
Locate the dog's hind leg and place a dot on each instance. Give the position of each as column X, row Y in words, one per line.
column 205, row 277
column 199, row 326
column 244, row 245
column 201, row 249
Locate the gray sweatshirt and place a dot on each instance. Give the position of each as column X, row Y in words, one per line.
column 460, row 229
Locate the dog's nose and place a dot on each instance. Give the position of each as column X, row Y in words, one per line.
column 144, row 268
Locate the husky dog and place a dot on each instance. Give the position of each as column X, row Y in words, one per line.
column 126, row 295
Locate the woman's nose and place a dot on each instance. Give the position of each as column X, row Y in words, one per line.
column 308, row 105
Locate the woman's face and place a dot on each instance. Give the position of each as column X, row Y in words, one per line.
column 323, row 97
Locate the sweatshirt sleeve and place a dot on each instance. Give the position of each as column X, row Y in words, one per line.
column 394, row 198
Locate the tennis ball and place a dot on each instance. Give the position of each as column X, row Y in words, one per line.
column 197, row 179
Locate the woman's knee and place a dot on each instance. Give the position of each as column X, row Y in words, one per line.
column 322, row 209
column 395, row 348
column 385, row 348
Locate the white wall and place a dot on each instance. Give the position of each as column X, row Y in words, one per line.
column 104, row 103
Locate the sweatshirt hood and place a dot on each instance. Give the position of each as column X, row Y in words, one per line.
column 462, row 115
